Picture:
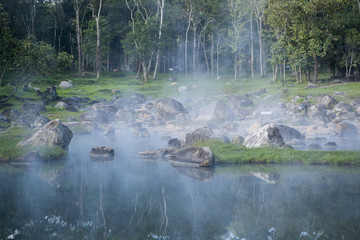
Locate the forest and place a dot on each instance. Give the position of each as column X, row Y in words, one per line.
column 192, row 37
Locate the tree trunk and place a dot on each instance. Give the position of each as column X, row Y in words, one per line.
column 98, row 54
column 186, row 40
column 284, row 66
column 194, row 48
column 235, row 66
column 315, row 76
column 296, row 73
column 212, row 55
column 143, row 63
column 300, row 72
column 150, row 62
column 33, row 15
column 77, row 16
column 217, row 57
column 2, row 73
column 205, row 55
column 350, row 66
column 273, row 71
column 252, row 46
column 260, row 47
column 276, row 71
column 160, row 28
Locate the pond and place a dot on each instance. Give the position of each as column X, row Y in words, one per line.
column 128, row 198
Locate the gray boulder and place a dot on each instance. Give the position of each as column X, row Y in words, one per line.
column 40, row 121
column 195, row 157
column 54, row 133
column 314, row 146
column 33, row 108
column 101, row 153
column 355, row 103
column 65, row 84
column 319, row 113
column 327, row 101
column 267, row 136
column 289, row 133
column 199, row 135
column 127, row 115
column 238, row 140
column 97, row 116
column 242, row 101
column 25, row 120
column 342, row 107
column 346, row 129
column 218, row 111
column 168, row 108
column 11, row 114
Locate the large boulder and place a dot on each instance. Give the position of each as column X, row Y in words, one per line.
column 327, row 101
column 97, row 116
column 168, row 108
column 355, row 103
column 54, row 133
column 342, row 107
column 65, row 84
column 218, row 111
column 346, row 129
column 319, row 113
column 199, row 135
column 41, row 121
column 267, row 136
column 11, row 114
column 133, row 100
column 33, row 108
column 25, row 120
column 240, row 100
column 101, row 153
column 289, row 133
column 196, row 157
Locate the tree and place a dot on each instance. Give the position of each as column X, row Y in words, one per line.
column 161, row 7
column 77, row 6
column 96, row 12
column 259, row 10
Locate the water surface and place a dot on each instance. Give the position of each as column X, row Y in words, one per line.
column 128, row 198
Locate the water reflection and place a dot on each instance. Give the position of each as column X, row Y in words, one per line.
column 131, row 199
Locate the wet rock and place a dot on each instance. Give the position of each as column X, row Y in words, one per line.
column 314, row 146
column 327, row 101
column 199, row 135
column 346, row 129
column 269, row 135
column 134, row 100
column 65, row 84
column 174, row 143
column 101, row 154
column 355, row 103
column 289, row 133
column 96, row 116
column 25, row 120
column 238, row 140
column 11, row 114
column 330, row 145
column 218, row 111
column 342, row 107
column 168, row 108
column 319, row 113
column 196, row 157
column 40, row 121
column 33, row 108
column 54, row 133
column 127, row 115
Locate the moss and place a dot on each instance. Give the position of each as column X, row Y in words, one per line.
column 231, row 153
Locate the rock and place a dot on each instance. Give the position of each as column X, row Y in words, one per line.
column 314, row 146
column 355, row 103
column 97, row 116
column 342, row 107
column 269, row 135
column 258, row 92
column 110, row 131
column 330, row 145
column 297, row 144
column 141, row 131
column 11, row 114
column 174, row 143
column 238, row 140
column 25, row 120
column 199, row 135
column 67, row 107
column 289, row 133
column 195, row 157
column 183, row 89
column 101, row 154
column 33, row 108
column 218, row 111
column 29, row 157
column 311, row 85
column 319, row 113
column 223, row 139
column 40, row 121
column 327, row 101
column 4, row 119
column 127, row 115
column 75, row 101
column 156, row 154
column 65, row 84
column 131, row 101
column 60, row 105
column 346, row 129
column 168, row 108
column 54, row 133
column 242, row 101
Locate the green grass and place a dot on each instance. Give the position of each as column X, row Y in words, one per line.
column 231, row 153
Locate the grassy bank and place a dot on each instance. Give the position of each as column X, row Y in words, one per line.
column 231, row 153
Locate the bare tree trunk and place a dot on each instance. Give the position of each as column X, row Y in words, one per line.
column 212, row 55
column 276, row 71
column 252, row 46
column 235, row 66
column 300, row 72
column 160, row 28
column 273, row 72
column 143, row 63
column 350, row 66
column 284, row 66
column 77, row 5
column 194, row 48
column 150, row 62
column 186, row 40
column 217, row 57
column 315, row 68
column 33, row 15
column 281, row 72
column 98, row 53
column 296, row 74
column 205, row 55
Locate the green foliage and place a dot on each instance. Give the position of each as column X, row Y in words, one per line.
column 64, row 61
column 51, row 153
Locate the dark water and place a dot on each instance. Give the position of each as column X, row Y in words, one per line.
column 132, row 199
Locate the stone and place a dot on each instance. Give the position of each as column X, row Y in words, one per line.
column 238, row 140
column 342, row 107
column 355, row 103
column 346, row 129
column 314, row 146
column 289, row 133
column 11, row 114
column 242, row 101
column 199, row 135
column 102, row 153
column 65, row 84
column 319, row 113
column 218, row 111
column 33, row 108
column 40, row 121
column 29, row 157
column 183, row 89
column 97, row 116
column 267, row 136
column 330, row 145
column 174, row 143
column 127, row 115
column 168, row 108
column 4, row 119
column 193, row 157
column 327, row 101
column 311, row 85
column 25, row 120
column 60, row 105
column 54, row 133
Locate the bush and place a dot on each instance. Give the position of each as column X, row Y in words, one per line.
column 64, row 61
